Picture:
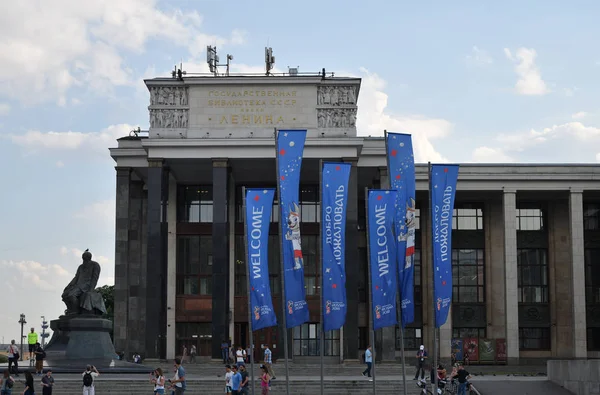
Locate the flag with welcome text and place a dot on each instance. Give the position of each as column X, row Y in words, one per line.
column 382, row 257
column 334, row 187
column 401, row 171
column 289, row 145
column 259, row 204
column 442, row 187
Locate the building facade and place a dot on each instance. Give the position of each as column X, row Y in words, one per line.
column 525, row 245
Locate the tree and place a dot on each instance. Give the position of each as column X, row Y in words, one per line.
column 108, row 294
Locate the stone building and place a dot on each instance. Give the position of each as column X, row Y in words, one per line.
column 526, row 238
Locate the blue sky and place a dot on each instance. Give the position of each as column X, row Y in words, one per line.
column 494, row 82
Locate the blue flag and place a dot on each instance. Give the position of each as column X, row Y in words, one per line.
column 401, row 170
column 443, row 189
column 382, row 257
column 333, row 238
column 290, row 147
column 259, row 204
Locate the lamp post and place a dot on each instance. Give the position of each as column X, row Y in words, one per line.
column 22, row 322
column 44, row 334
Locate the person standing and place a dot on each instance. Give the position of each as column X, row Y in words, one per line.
column 228, row 375
column 225, row 351
column 265, row 381
column 236, row 380
column 158, row 379
column 244, row 385
column 32, row 339
column 13, row 358
column 29, row 389
column 269, row 361
column 47, row 383
column 421, row 357
column 239, row 357
column 462, row 375
column 6, row 383
column 185, row 353
column 88, row 379
column 40, row 355
column 178, row 382
column 193, row 354
column 368, row 361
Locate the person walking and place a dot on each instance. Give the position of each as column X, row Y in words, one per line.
column 29, row 389
column 13, row 358
column 88, row 380
column 462, row 375
column 421, row 357
column 158, row 379
column 244, row 385
column 178, row 384
column 228, row 375
column 6, row 383
column 47, row 383
column 236, row 380
column 368, row 362
column 193, row 354
column 239, row 357
column 32, row 339
column 265, row 380
column 268, row 360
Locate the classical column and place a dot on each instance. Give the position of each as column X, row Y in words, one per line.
column 386, row 341
column 578, row 274
column 156, row 265
column 121, row 294
column 350, row 332
column 445, row 339
column 231, row 215
column 171, row 267
column 511, row 275
column 220, row 252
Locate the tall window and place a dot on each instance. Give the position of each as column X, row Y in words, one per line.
column 311, row 264
column 310, row 206
column 533, row 275
column 467, row 218
column 530, row 219
column 363, row 279
column 306, row 341
column 592, row 296
column 194, row 265
column 240, row 283
column 591, row 216
column 468, row 276
column 194, row 333
column 413, row 336
column 195, row 203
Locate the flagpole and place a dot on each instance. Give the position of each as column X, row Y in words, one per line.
column 250, row 331
column 322, row 334
column 370, row 293
column 399, row 298
column 282, row 268
column 434, row 331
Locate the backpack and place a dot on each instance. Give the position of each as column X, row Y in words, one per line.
column 87, row 379
column 10, row 382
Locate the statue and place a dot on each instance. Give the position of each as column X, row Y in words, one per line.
column 79, row 295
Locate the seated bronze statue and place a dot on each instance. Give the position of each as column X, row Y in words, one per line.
column 79, row 295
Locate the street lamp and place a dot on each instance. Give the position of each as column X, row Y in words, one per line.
column 44, row 334
column 22, row 322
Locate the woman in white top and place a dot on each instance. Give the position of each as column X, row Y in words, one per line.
column 158, row 380
column 13, row 358
column 239, row 355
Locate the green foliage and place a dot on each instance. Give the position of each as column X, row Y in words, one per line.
column 3, row 359
column 108, row 294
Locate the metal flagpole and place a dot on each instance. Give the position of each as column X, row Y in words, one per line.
column 250, row 331
column 434, row 331
column 282, row 268
column 399, row 298
column 322, row 334
column 370, row 293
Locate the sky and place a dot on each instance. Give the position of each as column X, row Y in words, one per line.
column 508, row 81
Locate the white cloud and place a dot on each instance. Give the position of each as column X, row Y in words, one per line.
column 490, row 155
column 60, row 164
column 598, row 157
column 479, row 57
column 530, row 79
column 4, row 109
column 373, row 119
column 68, row 43
column 44, row 277
column 579, row 115
column 102, row 212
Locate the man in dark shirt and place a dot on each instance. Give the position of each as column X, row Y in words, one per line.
column 47, row 383
column 421, row 357
column 462, row 376
column 245, row 380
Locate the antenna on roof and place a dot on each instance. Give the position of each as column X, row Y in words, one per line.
column 269, row 59
column 213, row 61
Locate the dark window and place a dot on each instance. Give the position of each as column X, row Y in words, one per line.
column 534, row 338
column 310, row 207
column 418, row 218
column 591, row 216
column 196, row 203
column 311, row 264
column 194, row 265
column 306, row 341
column 468, row 276
column 467, row 219
column 194, row 333
column 533, row 275
column 363, row 338
column 363, row 276
column 593, row 339
column 239, row 201
column 461, row 333
column 530, row 219
column 413, row 338
column 417, row 280
column 241, row 284
column 592, row 276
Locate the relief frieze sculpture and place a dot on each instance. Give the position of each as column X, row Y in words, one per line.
column 336, row 95
column 168, row 119
column 168, row 96
column 336, row 118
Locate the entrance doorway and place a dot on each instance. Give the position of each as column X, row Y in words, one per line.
column 261, row 337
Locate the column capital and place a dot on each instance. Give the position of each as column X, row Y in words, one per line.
column 509, row 190
column 351, row 160
column 156, row 162
column 123, row 171
column 575, row 190
column 220, row 162
column 383, row 170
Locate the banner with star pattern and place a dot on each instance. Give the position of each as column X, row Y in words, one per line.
column 334, row 187
column 401, row 170
column 259, row 204
column 290, row 148
column 382, row 256
column 442, row 186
